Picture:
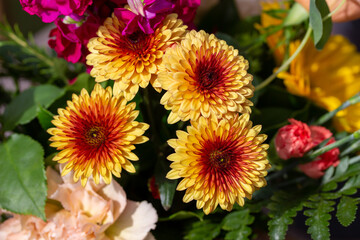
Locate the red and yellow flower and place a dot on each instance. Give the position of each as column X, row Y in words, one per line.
column 131, row 60
column 95, row 135
column 221, row 161
column 204, row 76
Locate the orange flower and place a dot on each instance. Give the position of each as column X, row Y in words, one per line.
column 221, row 162
column 95, row 135
column 276, row 40
column 204, row 76
column 133, row 60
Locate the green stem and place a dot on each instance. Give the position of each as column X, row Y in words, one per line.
column 302, row 44
column 286, row 64
column 28, row 48
column 354, row 136
column 352, row 148
column 17, row 87
column 354, row 160
column 354, row 99
column 335, row 10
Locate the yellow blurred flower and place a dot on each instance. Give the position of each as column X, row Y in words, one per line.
column 203, row 76
column 131, row 61
column 276, row 40
column 96, row 134
column 328, row 77
column 221, row 161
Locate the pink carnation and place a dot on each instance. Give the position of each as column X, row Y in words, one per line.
column 293, row 140
column 316, row 168
column 48, row 11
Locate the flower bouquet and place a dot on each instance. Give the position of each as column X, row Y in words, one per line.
column 158, row 119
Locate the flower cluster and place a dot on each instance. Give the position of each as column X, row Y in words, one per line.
column 160, row 106
column 206, row 82
column 77, row 21
column 297, row 138
column 221, row 157
column 73, row 212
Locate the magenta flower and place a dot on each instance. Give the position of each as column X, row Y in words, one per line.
column 186, row 10
column 70, row 40
column 48, row 11
column 143, row 16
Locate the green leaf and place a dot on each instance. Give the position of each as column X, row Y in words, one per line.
column 346, row 210
column 166, row 187
column 45, row 117
column 204, row 230
column 328, row 175
column 183, row 215
column 296, row 15
column 22, row 185
column 23, row 108
column 351, row 186
column 83, row 80
column 237, row 223
column 352, row 170
column 342, row 167
column 283, row 208
column 321, row 26
column 319, row 217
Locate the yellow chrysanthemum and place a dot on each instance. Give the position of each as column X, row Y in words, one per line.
column 221, row 161
column 328, row 77
column 276, row 40
column 131, row 61
column 204, row 76
column 96, row 134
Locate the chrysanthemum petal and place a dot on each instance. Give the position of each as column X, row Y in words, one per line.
column 219, row 162
column 203, row 76
column 96, row 134
column 131, row 60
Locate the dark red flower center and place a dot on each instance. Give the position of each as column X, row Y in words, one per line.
column 95, row 136
column 210, row 72
column 137, row 43
column 219, row 159
column 135, row 37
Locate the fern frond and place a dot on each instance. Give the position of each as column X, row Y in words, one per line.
column 283, row 208
column 319, row 216
column 237, row 224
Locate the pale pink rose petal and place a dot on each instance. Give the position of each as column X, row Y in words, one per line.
column 10, row 226
column 134, row 223
column 67, row 226
column 22, row 227
column 116, row 195
column 53, row 180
